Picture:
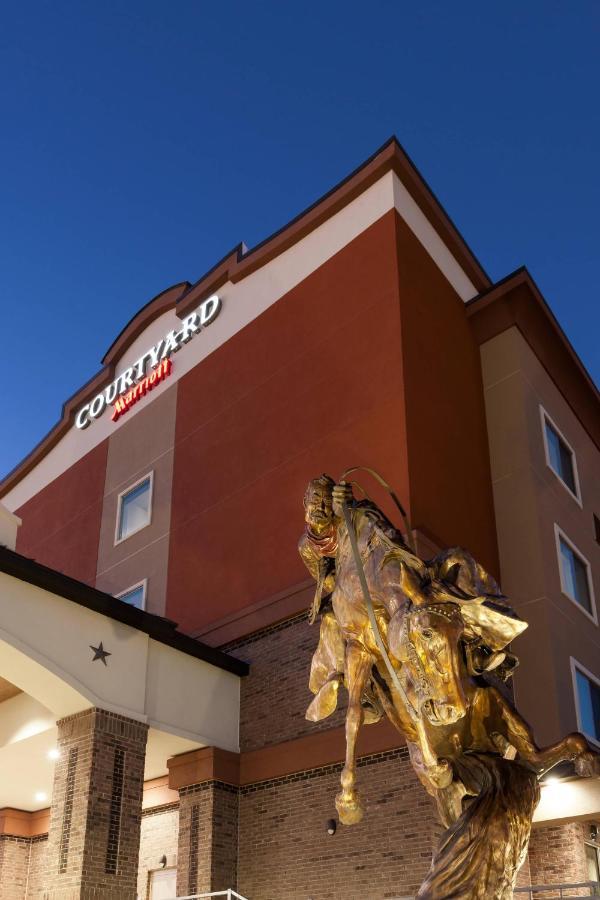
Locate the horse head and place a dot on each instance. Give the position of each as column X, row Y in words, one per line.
column 431, row 648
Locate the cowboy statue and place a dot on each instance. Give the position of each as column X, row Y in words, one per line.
column 425, row 643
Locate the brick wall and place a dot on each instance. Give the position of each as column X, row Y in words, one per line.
column 285, row 852
column 283, row 823
column 557, row 853
column 14, row 863
column 37, row 882
column 158, row 838
column 275, row 695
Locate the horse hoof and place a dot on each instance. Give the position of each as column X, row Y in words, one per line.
column 577, row 745
column 588, row 764
column 349, row 808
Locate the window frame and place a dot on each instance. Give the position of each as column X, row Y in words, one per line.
column 546, row 417
column 576, row 665
column 558, row 535
column 130, row 487
column 143, row 584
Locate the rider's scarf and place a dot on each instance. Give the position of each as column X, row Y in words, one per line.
column 325, row 545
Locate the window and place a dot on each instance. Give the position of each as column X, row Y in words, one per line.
column 575, row 575
column 587, row 701
column 559, row 456
column 134, row 509
column 135, row 596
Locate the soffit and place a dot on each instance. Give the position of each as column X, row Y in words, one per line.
column 27, row 769
column 8, row 690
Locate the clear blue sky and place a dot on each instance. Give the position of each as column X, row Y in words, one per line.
column 140, row 141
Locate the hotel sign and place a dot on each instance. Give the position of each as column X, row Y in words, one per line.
column 149, row 370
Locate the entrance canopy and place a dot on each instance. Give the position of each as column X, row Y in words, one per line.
column 66, row 647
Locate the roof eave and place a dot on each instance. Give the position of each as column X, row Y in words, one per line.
column 156, row 627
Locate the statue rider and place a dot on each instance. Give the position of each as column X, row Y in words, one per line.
column 318, row 547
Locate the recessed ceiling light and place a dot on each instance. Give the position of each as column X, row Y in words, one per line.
column 54, row 753
column 40, row 797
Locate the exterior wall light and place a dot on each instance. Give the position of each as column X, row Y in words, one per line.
column 331, row 826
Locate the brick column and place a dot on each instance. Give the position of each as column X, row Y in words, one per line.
column 207, row 781
column 14, row 864
column 93, row 842
column 208, row 833
column 557, row 853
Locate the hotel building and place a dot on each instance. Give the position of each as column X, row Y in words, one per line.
column 154, row 642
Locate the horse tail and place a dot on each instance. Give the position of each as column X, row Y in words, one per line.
column 480, row 854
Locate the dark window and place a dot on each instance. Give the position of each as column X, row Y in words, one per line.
column 560, row 457
column 575, row 576
column 588, row 694
column 134, row 596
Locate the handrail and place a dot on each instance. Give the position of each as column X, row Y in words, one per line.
column 230, row 894
column 594, row 887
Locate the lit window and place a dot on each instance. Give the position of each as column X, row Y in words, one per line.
column 574, row 575
column 134, row 509
column 559, row 456
column 588, row 704
column 135, row 596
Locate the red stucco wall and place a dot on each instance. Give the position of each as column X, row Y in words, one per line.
column 61, row 524
column 313, row 384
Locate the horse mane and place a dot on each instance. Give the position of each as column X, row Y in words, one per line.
column 392, row 535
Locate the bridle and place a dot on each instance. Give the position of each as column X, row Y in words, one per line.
column 418, row 673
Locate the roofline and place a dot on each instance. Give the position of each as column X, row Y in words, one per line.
column 517, row 301
column 156, row 627
column 390, row 157
column 159, row 304
column 138, row 322
column 239, row 263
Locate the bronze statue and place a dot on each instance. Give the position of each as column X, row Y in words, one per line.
column 417, row 641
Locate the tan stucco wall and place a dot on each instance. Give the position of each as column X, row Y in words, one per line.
column 529, row 499
column 46, row 646
column 140, row 446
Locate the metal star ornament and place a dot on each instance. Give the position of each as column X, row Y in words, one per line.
column 100, row 653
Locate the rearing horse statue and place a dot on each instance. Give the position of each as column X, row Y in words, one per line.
column 416, row 641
